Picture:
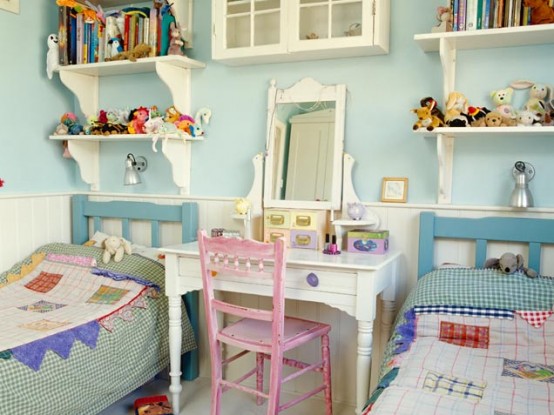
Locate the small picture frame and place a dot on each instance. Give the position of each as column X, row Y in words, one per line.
column 10, row 6
column 394, row 189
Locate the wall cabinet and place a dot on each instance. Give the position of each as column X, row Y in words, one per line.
column 263, row 31
column 447, row 45
column 84, row 81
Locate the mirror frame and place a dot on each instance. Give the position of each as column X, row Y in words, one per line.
column 306, row 90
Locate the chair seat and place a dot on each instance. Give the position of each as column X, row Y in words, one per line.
column 257, row 333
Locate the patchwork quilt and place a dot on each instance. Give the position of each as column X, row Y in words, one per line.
column 471, row 341
column 81, row 364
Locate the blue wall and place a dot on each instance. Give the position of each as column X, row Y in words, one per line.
column 381, row 92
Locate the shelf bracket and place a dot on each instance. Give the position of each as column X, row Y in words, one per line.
column 86, row 154
column 178, row 81
column 85, row 88
column 447, row 54
column 445, row 156
column 178, row 153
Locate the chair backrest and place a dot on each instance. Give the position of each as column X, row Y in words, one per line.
column 245, row 260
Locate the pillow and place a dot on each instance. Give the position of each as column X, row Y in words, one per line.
column 96, row 239
column 151, row 253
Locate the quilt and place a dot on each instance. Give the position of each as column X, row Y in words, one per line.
column 471, row 341
column 88, row 380
column 63, row 298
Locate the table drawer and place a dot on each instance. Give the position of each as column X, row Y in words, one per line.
column 296, row 278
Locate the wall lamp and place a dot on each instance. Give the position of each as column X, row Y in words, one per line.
column 523, row 172
column 134, row 166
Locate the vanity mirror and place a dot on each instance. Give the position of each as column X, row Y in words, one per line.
column 304, row 149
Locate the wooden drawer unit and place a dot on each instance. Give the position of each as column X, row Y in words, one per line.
column 301, row 228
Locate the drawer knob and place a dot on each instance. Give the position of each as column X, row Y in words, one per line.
column 312, row 279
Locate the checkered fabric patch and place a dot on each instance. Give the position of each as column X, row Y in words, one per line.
column 107, row 295
column 454, row 386
column 464, row 311
column 464, row 335
column 41, row 307
column 535, row 318
column 528, row 370
column 44, row 282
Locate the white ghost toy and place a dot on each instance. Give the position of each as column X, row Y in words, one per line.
column 53, row 55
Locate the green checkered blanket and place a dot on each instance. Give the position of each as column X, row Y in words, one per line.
column 90, row 380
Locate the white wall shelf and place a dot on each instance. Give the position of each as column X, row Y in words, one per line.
column 447, row 45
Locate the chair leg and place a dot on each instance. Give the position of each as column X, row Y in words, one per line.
column 327, row 374
column 259, row 377
column 217, row 376
column 275, row 379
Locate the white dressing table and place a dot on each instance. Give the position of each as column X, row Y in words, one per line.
column 349, row 282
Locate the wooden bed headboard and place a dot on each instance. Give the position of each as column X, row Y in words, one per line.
column 533, row 232
column 82, row 210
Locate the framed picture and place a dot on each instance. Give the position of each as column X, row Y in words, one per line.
column 10, row 6
column 394, row 189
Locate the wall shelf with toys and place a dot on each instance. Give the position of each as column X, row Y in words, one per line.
column 447, row 44
column 83, row 81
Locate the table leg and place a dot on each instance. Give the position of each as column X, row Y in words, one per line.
column 365, row 343
column 175, row 337
column 387, row 321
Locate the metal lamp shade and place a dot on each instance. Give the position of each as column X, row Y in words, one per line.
column 131, row 175
column 521, row 195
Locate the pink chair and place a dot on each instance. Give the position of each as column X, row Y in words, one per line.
column 268, row 333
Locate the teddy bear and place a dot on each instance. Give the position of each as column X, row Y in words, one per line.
column 510, row 263
column 502, row 98
column 541, row 12
column 115, row 246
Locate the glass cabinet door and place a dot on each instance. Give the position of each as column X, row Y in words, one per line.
column 247, row 25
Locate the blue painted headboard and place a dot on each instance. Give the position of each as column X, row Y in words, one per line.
column 186, row 214
column 82, row 210
column 534, row 232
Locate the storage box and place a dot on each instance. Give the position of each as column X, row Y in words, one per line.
column 368, row 242
column 158, row 404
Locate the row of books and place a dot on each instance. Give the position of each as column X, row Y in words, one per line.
column 489, row 14
column 87, row 36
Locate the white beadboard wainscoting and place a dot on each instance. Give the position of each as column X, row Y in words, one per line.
column 28, row 221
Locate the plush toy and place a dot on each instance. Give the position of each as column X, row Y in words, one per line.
column 444, row 16
column 69, row 124
column 53, row 55
column 115, row 246
column 242, row 205
column 538, row 98
column 541, row 12
column 433, row 106
column 172, row 114
column 137, row 120
column 456, row 110
column 176, row 43
column 142, row 50
column 425, row 119
column 510, row 263
column 477, row 116
column 502, row 99
column 527, row 119
column 494, row 119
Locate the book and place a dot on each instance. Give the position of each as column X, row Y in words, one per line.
column 158, row 405
column 72, row 38
column 486, row 14
column 462, row 4
column 63, row 24
column 480, row 14
column 167, row 19
column 455, row 16
column 471, row 14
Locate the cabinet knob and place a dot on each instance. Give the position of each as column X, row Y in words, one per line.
column 312, row 279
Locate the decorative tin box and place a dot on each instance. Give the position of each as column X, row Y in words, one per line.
column 368, row 242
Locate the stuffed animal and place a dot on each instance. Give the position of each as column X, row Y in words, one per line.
column 115, row 246
column 477, row 116
column 456, row 110
column 494, row 119
column 433, row 106
column 53, row 55
column 425, row 119
column 142, row 50
column 541, row 12
column 538, row 98
column 175, row 41
column 502, row 99
column 527, row 119
column 444, row 16
column 138, row 117
column 510, row 263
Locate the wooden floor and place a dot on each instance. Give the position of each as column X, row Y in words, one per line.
column 195, row 400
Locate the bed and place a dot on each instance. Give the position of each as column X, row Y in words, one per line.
column 470, row 340
column 91, row 332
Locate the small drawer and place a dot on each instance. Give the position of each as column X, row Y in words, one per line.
column 271, row 235
column 305, row 219
column 276, row 219
column 303, row 238
column 318, row 280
